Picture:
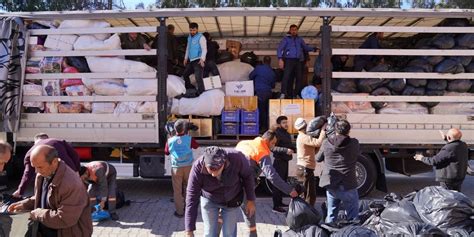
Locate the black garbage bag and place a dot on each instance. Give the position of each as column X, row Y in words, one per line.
column 456, row 232
column 443, row 41
column 448, row 65
column 380, row 68
column 300, row 213
column 307, row 231
column 459, row 85
column 437, row 84
column 461, row 22
column 250, row 58
column 470, row 67
column 413, row 69
column 224, row 56
column 345, row 85
column 421, row 63
column 417, row 82
column 444, row 208
column 397, row 85
column 80, row 63
column 463, row 60
column 380, row 91
column 422, row 43
column 369, row 85
column 314, row 126
column 331, row 125
column 414, row 229
column 432, row 93
column 399, row 212
column 433, row 60
column 465, row 40
column 354, row 231
column 410, row 90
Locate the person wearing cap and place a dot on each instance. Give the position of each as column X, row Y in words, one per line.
column 258, row 153
column 306, row 149
column 179, row 148
column 219, row 180
column 101, row 178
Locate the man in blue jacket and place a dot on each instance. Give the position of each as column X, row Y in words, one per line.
column 264, row 81
column 195, row 57
column 291, row 59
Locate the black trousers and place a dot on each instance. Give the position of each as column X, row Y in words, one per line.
column 293, row 74
column 309, row 182
column 211, row 67
column 281, row 167
column 452, row 185
column 194, row 67
column 263, row 108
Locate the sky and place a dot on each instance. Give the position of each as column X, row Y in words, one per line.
column 130, row 4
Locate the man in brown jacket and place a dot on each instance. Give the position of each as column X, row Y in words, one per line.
column 60, row 204
column 306, row 149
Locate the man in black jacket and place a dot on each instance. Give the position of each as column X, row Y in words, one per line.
column 450, row 162
column 282, row 152
column 340, row 153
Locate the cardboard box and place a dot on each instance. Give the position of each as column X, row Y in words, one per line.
column 239, row 88
column 289, row 108
column 205, row 128
column 249, row 103
column 213, row 82
column 308, row 108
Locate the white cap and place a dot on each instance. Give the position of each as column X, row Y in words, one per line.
column 300, row 123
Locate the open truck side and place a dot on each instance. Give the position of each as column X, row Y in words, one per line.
column 387, row 141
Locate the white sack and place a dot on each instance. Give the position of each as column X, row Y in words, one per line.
column 109, row 88
column 60, row 42
column 231, row 71
column 52, row 107
column 103, row 107
column 454, row 108
column 174, row 86
column 66, row 24
column 126, row 108
column 90, row 83
column 403, row 108
column 147, row 107
column 114, row 64
column 141, row 86
column 89, row 42
column 347, row 107
column 208, row 103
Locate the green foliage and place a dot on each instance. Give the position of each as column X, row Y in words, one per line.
column 55, row 5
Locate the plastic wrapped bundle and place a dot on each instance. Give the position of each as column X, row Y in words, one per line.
column 147, row 107
column 33, row 90
column 126, row 107
column 67, row 24
column 89, row 42
column 103, row 107
column 60, row 42
column 51, row 107
column 109, row 64
column 33, row 65
column 209, row 103
column 347, row 107
column 403, row 108
column 51, row 88
column 69, row 108
column 454, row 108
column 51, row 65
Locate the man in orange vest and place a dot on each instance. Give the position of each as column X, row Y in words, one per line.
column 258, row 152
column 102, row 180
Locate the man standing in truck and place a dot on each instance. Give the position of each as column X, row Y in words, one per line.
column 451, row 162
column 195, row 57
column 258, row 153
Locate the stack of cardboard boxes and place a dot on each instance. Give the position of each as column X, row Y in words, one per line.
column 240, row 115
column 293, row 109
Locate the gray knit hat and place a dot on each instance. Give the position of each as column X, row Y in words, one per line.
column 214, row 157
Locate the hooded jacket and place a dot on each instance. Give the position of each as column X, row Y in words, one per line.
column 293, row 48
column 340, row 156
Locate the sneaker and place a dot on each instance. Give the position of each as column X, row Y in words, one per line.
column 279, row 210
column 114, row 216
column 282, row 96
column 283, row 205
column 178, row 215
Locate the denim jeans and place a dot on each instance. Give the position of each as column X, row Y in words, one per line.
column 350, row 198
column 210, row 215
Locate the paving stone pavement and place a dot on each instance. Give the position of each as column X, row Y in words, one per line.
column 151, row 213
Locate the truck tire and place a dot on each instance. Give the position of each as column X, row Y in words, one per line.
column 366, row 175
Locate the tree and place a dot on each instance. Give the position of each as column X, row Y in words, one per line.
column 58, row 5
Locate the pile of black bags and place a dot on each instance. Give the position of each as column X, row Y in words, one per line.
column 422, row 64
column 432, row 211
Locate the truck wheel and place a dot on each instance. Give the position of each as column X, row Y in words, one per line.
column 366, row 175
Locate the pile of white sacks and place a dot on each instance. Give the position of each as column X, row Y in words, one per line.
column 208, row 103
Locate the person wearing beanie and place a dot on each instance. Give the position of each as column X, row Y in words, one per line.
column 179, row 148
column 218, row 182
column 306, row 149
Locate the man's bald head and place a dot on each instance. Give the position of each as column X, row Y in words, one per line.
column 5, row 154
column 44, row 159
column 454, row 134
